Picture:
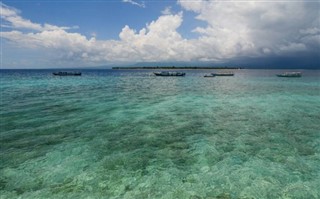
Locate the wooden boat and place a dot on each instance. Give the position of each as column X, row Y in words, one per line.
column 290, row 74
column 167, row 73
column 222, row 74
column 67, row 73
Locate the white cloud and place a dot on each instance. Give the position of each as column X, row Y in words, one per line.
column 166, row 11
column 233, row 29
column 12, row 19
column 195, row 5
column 8, row 11
column 159, row 40
column 142, row 5
column 237, row 28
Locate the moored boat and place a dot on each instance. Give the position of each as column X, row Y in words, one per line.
column 222, row 74
column 167, row 73
column 290, row 74
column 67, row 73
column 210, row 75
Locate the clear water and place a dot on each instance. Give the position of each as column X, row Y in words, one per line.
column 129, row 134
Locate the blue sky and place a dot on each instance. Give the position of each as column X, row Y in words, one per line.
column 46, row 34
column 105, row 18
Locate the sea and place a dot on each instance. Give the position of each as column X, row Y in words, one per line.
column 120, row 134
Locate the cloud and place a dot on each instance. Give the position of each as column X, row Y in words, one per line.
column 166, row 11
column 246, row 28
column 310, row 31
column 11, row 19
column 232, row 30
column 294, row 47
column 158, row 41
column 142, row 5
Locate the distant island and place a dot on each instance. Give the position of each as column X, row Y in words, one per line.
column 174, row 67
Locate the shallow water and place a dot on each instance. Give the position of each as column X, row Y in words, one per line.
column 130, row 134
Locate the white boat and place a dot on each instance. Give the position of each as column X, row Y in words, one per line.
column 290, row 74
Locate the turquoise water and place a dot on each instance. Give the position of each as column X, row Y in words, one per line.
column 129, row 134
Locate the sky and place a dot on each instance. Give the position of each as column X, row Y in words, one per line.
column 83, row 33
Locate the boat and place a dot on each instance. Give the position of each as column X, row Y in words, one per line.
column 167, row 73
column 67, row 73
column 290, row 74
column 222, row 74
column 210, row 75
